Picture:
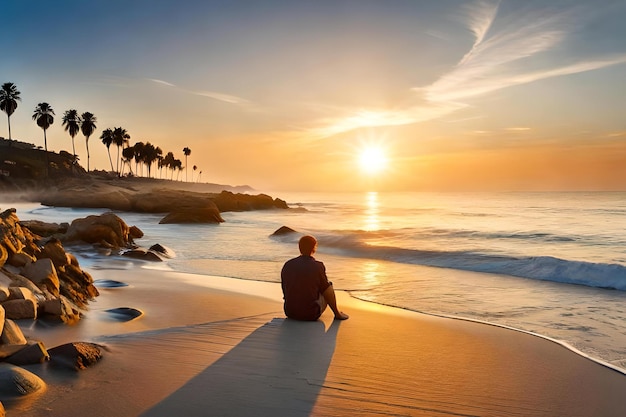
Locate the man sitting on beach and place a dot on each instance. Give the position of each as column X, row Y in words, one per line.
column 306, row 289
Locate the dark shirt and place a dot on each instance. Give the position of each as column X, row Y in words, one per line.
column 303, row 280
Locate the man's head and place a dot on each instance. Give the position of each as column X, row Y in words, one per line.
column 307, row 245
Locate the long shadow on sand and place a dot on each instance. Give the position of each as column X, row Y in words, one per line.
column 278, row 370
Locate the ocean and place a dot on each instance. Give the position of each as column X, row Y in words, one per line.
column 552, row 264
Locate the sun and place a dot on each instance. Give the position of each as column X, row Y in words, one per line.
column 373, row 159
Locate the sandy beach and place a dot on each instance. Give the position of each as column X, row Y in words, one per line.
column 211, row 346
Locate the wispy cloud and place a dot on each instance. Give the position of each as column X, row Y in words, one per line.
column 226, row 98
column 485, row 67
column 161, row 82
column 480, row 18
column 221, row 97
column 500, row 57
column 372, row 118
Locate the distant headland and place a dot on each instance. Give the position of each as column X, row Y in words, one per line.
column 24, row 177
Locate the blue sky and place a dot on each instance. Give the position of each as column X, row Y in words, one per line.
column 513, row 95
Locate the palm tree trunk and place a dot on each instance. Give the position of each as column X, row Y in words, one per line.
column 110, row 160
column 87, row 146
column 9, row 119
column 118, row 162
column 45, row 140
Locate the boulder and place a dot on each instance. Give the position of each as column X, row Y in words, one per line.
column 283, row 230
column 124, row 313
column 20, row 281
column 20, row 309
column 60, row 309
column 135, row 232
column 77, row 285
column 20, row 259
column 21, row 293
column 143, row 254
column 4, row 255
column 11, row 235
column 43, row 274
column 29, row 355
column 4, row 293
column 16, row 381
column 12, row 334
column 107, row 229
column 76, row 355
column 228, row 201
column 5, row 279
column 193, row 215
column 53, row 249
column 162, row 250
column 44, row 229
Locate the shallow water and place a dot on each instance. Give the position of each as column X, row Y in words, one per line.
column 538, row 262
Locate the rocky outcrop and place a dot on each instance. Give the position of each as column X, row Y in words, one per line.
column 39, row 280
column 197, row 215
column 183, row 206
column 228, row 201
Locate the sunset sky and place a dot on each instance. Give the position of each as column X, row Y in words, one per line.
column 288, row 95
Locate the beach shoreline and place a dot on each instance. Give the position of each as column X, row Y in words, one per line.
column 223, row 344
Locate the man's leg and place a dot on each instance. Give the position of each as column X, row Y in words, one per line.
column 321, row 301
column 329, row 297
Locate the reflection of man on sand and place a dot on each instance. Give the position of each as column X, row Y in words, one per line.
column 306, row 289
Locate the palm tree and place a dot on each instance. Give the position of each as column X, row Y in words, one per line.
column 71, row 121
column 138, row 148
column 107, row 139
column 178, row 166
column 127, row 156
column 151, row 154
column 160, row 164
column 195, row 167
column 120, row 137
column 9, row 96
column 44, row 116
column 168, row 162
column 187, row 152
column 88, row 126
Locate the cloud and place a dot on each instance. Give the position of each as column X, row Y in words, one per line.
column 221, row 97
column 161, row 82
column 480, row 19
column 507, row 51
column 226, row 98
column 380, row 117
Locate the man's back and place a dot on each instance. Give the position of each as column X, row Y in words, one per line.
column 303, row 280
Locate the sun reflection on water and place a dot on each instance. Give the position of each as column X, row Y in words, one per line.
column 372, row 212
column 371, row 273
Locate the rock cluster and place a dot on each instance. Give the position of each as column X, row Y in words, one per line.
column 39, row 279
